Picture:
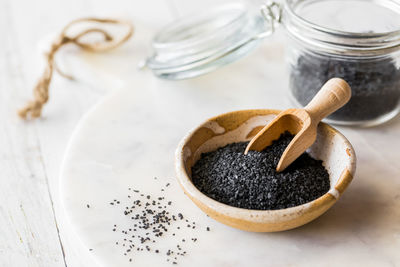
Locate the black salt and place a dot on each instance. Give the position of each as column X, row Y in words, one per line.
column 375, row 84
column 250, row 181
column 152, row 216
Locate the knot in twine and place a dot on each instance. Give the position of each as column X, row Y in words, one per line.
column 41, row 91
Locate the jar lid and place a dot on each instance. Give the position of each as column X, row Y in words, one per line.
column 349, row 27
column 350, row 16
column 200, row 43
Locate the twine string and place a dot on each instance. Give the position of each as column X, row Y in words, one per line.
column 34, row 107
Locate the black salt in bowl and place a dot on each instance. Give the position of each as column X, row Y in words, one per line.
column 251, row 181
column 331, row 147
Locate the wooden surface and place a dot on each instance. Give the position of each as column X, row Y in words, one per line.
column 33, row 230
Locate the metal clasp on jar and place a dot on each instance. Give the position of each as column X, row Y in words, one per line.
column 272, row 13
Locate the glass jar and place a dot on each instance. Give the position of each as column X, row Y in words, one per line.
column 357, row 40
column 199, row 43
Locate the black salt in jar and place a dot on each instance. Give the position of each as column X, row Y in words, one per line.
column 356, row 40
column 375, row 85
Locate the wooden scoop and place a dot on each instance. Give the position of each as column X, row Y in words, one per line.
column 302, row 122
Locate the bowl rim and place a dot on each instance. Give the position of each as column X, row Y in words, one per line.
column 261, row 216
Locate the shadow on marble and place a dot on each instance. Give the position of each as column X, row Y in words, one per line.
column 364, row 210
column 351, row 211
column 393, row 123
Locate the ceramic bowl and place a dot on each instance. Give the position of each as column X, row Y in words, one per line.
column 331, row 147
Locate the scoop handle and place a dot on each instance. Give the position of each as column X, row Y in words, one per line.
column 333, row 95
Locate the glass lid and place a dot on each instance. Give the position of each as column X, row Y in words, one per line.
column 352, row 27
column 352, row 16
column 201, row 42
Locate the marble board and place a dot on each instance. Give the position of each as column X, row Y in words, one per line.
column 128, row 141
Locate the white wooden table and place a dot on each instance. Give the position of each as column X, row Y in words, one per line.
column 33, row 228
column 32, row 223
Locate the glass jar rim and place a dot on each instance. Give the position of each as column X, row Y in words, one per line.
column 337, row 41
column 201, row 42
column 167, row 37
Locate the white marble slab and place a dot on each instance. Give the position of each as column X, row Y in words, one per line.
column 131, row 136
